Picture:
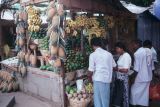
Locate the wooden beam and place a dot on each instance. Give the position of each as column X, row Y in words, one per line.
column 32, row 2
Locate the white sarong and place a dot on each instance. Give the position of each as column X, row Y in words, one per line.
column 140, row 93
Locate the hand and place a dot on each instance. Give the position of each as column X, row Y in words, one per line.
column 133, row 77
column 90, row 74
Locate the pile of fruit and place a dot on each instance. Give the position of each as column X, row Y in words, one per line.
column 76, row 98
column 44, row 43
column 93, row 25
column 38, row 35
column 89, row 88
column 75, row 60
column 7, row 82
column 47, row 67
column 34, row 20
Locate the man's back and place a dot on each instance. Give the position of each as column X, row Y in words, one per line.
column 143, row 65
column 102, row 64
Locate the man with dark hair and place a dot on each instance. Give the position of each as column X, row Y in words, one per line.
column 147, row 44
column 143, row 71
column 137, row 44
column 101, row 65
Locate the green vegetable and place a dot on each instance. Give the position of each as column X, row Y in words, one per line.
column 68, row 88
column 43, row 67
column 71, row 91
column 50, row 68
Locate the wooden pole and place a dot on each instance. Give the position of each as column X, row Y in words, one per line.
column 82, row 38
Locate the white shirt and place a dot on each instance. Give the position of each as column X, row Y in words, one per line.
column 154, row 57
column 143, row 64
column 154, row 54
column 124, row 61
column 101, row 63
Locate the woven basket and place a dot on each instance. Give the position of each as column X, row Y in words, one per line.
column 79, row 103
column 70, row 75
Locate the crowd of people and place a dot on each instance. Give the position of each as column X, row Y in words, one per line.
column 124, row 82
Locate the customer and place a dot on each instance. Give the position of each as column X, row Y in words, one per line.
column 101, row 65
column 121, row 90
column 143, row 69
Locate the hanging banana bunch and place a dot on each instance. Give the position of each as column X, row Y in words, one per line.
column 34, row 20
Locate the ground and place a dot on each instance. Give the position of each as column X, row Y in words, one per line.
column 24, row 100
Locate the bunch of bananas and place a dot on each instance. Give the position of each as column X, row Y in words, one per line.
column 92, row 25
column 96, row 31
column 89, row 88
column 71, row 23
column 34, row 20
column 82, row 21
column 93, row 22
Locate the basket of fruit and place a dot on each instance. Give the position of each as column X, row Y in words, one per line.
column 78, row 98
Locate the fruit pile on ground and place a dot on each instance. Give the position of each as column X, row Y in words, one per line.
column 7, row 82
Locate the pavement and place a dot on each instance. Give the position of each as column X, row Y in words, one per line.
column 24, row 100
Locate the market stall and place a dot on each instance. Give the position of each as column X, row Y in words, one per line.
column 52, row 61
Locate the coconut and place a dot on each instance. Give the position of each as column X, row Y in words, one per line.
column 70, row 96
column 84, row 96
column 79, row 96
column 75, row 94
column 57, row 63
column 61, row 52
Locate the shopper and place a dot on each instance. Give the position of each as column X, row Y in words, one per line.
column 101, row 65
column 121, row 89
column 143, row 69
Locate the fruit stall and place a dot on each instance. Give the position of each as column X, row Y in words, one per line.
column 52, row 55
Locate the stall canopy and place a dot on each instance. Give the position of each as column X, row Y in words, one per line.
column 112, row 7
column 153, row 8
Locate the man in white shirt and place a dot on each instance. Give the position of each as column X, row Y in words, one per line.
column 101, row 65
column 143, row 68
column 154, row 55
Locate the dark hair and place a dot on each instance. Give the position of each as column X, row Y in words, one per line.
column 147, row 43
column 138, row 42
column 96, row 42
column 120, row 45
column 104, row 43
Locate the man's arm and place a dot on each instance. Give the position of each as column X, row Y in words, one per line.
column 91, row 68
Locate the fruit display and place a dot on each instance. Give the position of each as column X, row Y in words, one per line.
column 38, row 35
column 89, row 88
column 7, row 82
column 34, row 20
column 44, row 43
column 78, row 98
column 21, row 25
column 74, row 61
column 55, row 31
column 47, row 67
column 94, row 26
